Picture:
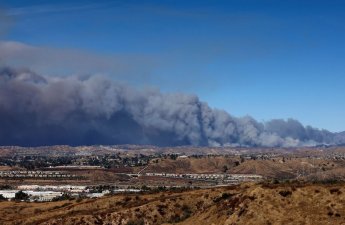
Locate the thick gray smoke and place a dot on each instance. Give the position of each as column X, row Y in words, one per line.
column 44, row 110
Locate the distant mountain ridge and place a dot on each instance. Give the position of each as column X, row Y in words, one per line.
column 340, row 138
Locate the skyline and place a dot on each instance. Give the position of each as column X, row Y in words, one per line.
column 266, row 60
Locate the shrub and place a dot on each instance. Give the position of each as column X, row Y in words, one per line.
column 222, row 197
column 285, row 193
column 175, row 218
column 335, row 191
column 186, row 210
column 145, row 188
column 199, row 204
column 66, row 204
column 136, row 222
column 127, row 199
column 160, row 209
column 36, row 211
column 20, row 195
column 2, row 198
column 64, row 196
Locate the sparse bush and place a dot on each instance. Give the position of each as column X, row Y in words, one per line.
column 242, row 212
column 330, row 180
column 175, row 218
column 127, row 199
column 275, row 181
column 335, row 191
column 136, row 222
column 64, row 196
column 185, row 208
column 252, row 198
column 66, row 204
column 145, row 188
column 186, row 211
column 160, row 209
column 226, row 195
column 160, row 188
column 56, row 207
column 177, row 205
column 222, row 197
column 285, row 193
column 36, row 211
column 199, row 204
column 5, row 187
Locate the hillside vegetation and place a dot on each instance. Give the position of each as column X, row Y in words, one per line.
column 244, row 204
column 277, row 168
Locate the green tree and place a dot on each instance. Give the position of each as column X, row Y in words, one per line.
column 20, row 195
column 2, row 198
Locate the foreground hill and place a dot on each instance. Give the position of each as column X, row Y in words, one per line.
column 243, row 204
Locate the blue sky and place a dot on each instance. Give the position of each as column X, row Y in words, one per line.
column 267, row 59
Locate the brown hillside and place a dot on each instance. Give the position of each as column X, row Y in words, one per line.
column 192, row 165
column 244, row 204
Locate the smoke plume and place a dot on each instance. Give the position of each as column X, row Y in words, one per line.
column 43, row 110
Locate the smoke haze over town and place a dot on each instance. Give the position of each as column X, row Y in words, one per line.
column 84, row 110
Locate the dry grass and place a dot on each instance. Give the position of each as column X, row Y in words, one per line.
column 244, row 204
